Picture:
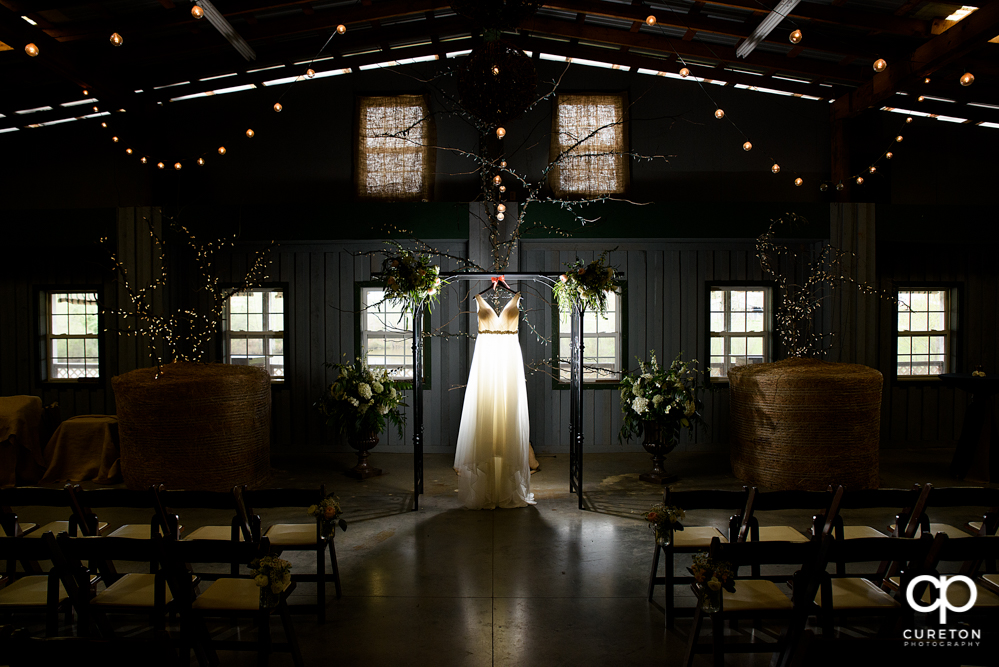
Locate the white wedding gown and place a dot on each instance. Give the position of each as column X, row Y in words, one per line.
column 493, row 438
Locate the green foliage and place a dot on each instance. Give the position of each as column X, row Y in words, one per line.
column 714, row 575
column 660, row 516
column 411, row 278
column 362, row 400
column 327, row 514
column 587, row 283
column 660, row 395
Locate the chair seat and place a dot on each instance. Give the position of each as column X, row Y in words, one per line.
column 951, row 531
column 56, row 527
column 213, row 533
column 856, row 532
column 755, row 595
column 132, row 590
column 25, row 528
column 857, row 593
column 697, row 537
column 30, row 591
column 229, row 594
column 780, row 534
column 957, row 595
column 295, row 534
column 137, row 531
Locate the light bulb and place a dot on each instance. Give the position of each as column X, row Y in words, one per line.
column 495, row 70
column 176, row 165
column 31, row 49
column 500, row 216
column 116, row 39
column 340, row 29
column 310, row 72
column 880, row 65
column 160, row 165
column 798, row 181
column 86, row 92
column 967, row 79
column 839, row 186
column 277, row 106
column 860, row 180
column 747, row 146
column 776, row 168
column 651, row 20
column 888, row 155
column 114, row 139
column 502, row 188
column 926, row 80
column 503, row 163
column 795, row 36
column 104, row 124
column 719, row 114
column 500, row 132
column 921, row 98
column 143, row 159
column 497, row 179
column 201, row 162
column 908, row 120
column 221, row 150
column 898, row 138
column 95, row 111
column 501, row 208
column 823, row 187
column 684, row 72
column 128, row 150
column 249, row 134
column 197, row 12
column 872, row 169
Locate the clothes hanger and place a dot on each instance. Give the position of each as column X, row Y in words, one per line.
column 497, row 282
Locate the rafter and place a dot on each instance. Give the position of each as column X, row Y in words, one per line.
column 842, row 16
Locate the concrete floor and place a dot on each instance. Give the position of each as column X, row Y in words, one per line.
column 546, row 585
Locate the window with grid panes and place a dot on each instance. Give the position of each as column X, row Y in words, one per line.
column 71, row 338
column 740, row 329
column 924, row 332
column 395, row 159
column 386, row 334
column 601, row 343
column 255, row 330
column 589, row 132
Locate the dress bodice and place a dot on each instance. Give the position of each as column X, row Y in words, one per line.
column 505, row 322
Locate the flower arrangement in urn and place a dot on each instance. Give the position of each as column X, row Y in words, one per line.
column 664, row 520
column 659, row 395
column 327, row 513
column 272, row 575
column 411, row 278
column 588, row 283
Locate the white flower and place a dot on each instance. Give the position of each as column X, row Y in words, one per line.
column 657, row 399
column 646, row 376
column 636, row 390
column 377, row 387
column 363, row 408
column 640, row 404
column 383, row 409
column 689, row 408
column 260, row 580
column 364, row 389
column 392, row 392
column 353, row 401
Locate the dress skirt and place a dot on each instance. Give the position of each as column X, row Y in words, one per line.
column 492, row 455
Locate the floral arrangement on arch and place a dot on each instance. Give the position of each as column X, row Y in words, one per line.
column 716, row 575
column 411, row 278
column 362, row 400
column 327, row 513
column 659, row 395
column 271, row 572
column 661, row 516
column 588, row 283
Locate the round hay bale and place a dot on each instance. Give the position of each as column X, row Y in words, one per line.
column 803, row 424
column 195, row 426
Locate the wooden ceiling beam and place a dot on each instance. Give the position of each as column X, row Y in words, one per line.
column 943, row 49
column 888, row 23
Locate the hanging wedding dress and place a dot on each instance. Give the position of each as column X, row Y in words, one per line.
column 493, row 438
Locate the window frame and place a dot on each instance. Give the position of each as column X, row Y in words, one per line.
column 952, row 359
column 224, row 347
column 770, row 340
column 622, row 337
column 44, row 323
column 428, row 161
column 556, row 147
column 359, row 309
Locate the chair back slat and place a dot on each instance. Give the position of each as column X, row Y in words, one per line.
column 182, row 499
column 704, row 499
column 270, row 498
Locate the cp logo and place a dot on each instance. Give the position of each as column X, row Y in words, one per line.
column 943, row 583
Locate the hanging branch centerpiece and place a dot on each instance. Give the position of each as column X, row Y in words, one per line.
column 586, row 284
column 410, row 279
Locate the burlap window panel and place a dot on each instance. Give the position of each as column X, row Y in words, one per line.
column 590, row 133
column 395, row 158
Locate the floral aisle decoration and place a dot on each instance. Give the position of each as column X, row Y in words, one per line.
column 586, row 283
column 272, row 575
column 362, row 400
column 327, row 514
column 664, row 520
column 713, row 576
column 660, row 395
column 411, row 279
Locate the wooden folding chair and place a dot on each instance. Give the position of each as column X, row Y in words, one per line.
column 83, row 503
column 33, row 593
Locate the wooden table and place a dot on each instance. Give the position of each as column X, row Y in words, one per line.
column 977, row 455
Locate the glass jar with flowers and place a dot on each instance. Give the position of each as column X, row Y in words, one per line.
column 587, row 284
column 272, row 575
column 411, row 279
column 360, row 403
column 657, row 402
column 664, row 520
column 327, row 514
column 712, row 577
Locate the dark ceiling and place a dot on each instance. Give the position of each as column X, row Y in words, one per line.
column 164, row 45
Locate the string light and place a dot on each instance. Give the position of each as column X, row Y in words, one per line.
column 249, row 134
column 839, row 186
column 684, row 72
column 719, row 114
column 221, row 150
column 889, row 155
column 160, row 165
column 501, row 208
column 310, row 72
column 114, row 139
column 502, row 188
column 103, row 124
column 747, row 146
column 798, row 181
column 500, row 216
column 926, row 80
column 197, row 12
column 128, row 150
column 860, row 180
column 908, row 120
column 340, row 29
column 143, row 159
column 95, row 111
column 500, row 132
column 823, row 187
column 278, row 107
column 776, row 168
column 177, row 165
column 795, row 36
column 201, row 162
column 31, row 49
column 497, row 179
column 86, row 92
column 872, row 169
column 116, row 39
column 651, row 20
column 503, row 164
column 967, row 79
column 880, row 65
column 921, row 98
column 898, row 138
column 495, row 70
